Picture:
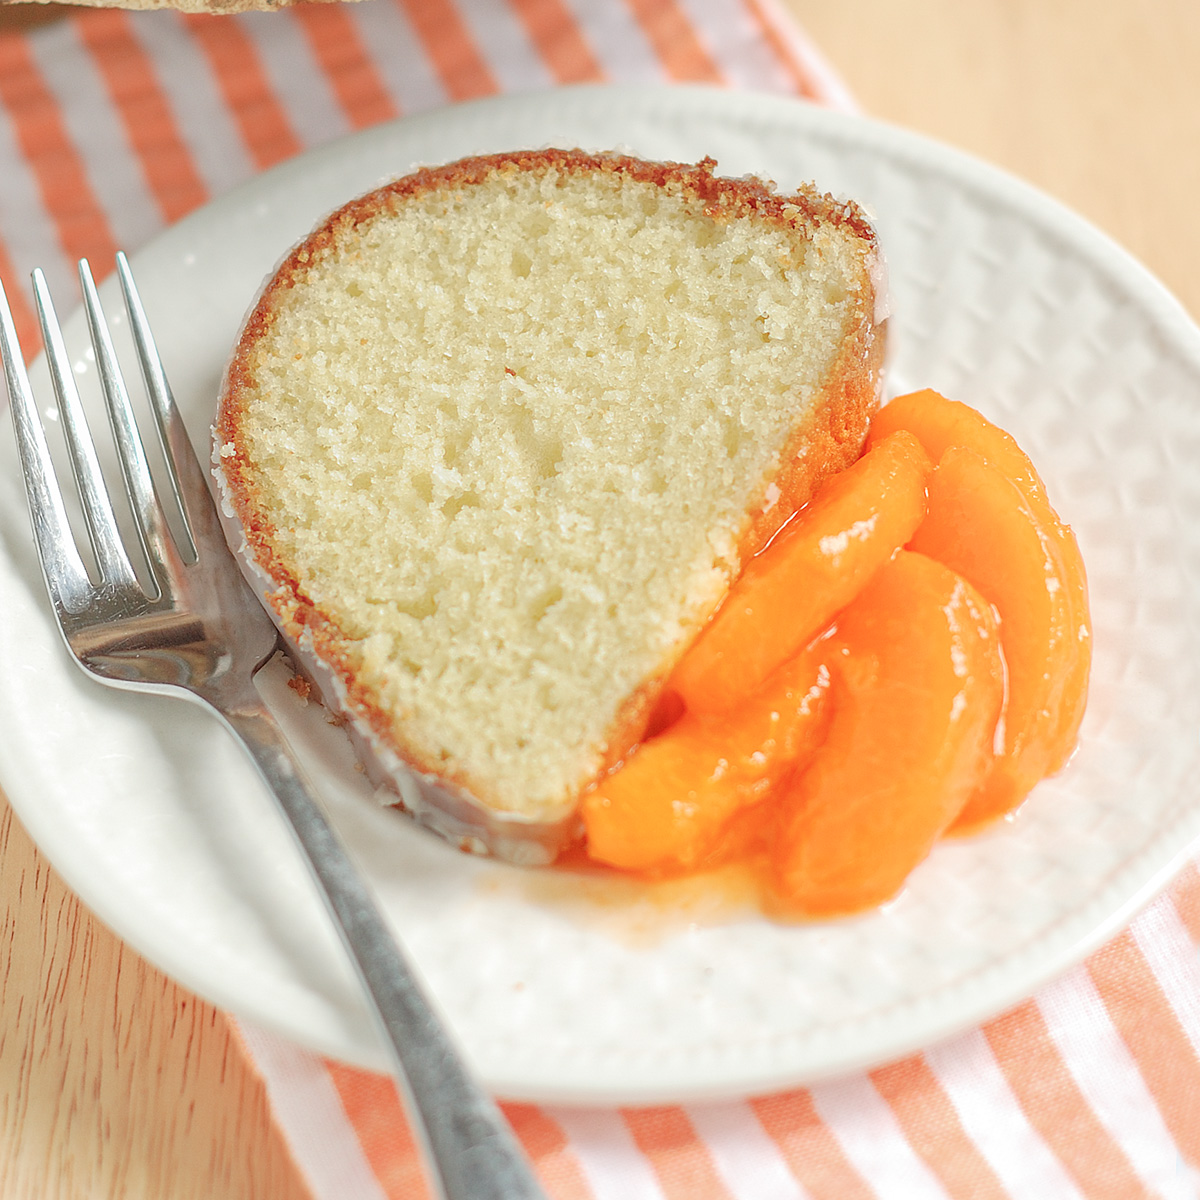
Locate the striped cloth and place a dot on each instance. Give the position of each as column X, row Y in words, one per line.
column 113, row 125
column 1088, row 1091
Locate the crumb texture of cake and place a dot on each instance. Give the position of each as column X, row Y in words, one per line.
column 502, row 433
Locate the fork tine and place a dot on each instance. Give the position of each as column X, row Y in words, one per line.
column 135, row 470
column 97, row 506
column 65, row 573
column 183, row 469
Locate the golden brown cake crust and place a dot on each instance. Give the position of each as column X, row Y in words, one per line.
column 831, row 435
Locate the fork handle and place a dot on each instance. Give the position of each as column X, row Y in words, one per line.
column 471, row 1151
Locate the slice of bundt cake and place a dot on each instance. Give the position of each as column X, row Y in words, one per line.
column 496, row 438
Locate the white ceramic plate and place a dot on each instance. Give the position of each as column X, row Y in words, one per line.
column 561, row 993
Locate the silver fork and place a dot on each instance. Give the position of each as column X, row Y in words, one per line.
column 198, row 631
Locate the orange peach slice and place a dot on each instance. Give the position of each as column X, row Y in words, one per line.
column 938, row 424
column 981, row 525
column 1044, row 742
column 814, row 567
column 667, row 807
column 916, row 692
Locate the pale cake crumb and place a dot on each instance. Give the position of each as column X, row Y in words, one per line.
column 507, row 436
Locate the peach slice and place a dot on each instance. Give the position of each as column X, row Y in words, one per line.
column 938, row 424
column 668, row 805
column 917, row 688
column 981, row 525
column 1048, row 672
column 814, row 567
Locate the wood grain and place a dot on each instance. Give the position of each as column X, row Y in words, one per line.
column 1096, row 103
column 115, row 1083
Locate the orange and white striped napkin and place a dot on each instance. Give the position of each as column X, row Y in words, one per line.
column 1088, row 1091
column 115, row 124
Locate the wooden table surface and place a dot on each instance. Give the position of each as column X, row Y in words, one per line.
column 115, row 1082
